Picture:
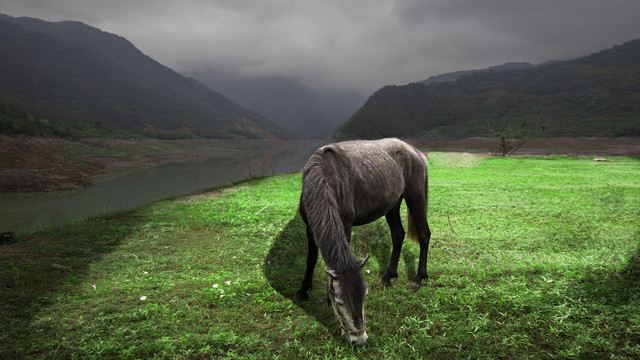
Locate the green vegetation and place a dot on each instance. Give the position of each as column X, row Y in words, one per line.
column 598, row 95
column 530, row 258
column 14, row 122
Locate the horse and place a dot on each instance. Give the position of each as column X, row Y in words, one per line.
column 353, row 183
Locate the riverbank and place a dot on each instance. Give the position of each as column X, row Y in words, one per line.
column 29, row 164
column 150, row 175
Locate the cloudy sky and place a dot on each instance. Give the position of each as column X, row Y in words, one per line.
column 359, row 44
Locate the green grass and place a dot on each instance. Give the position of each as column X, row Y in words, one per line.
column 529, row 258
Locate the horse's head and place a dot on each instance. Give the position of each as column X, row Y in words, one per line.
column 346, row 293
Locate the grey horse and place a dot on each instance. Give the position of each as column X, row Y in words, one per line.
column 354, row 183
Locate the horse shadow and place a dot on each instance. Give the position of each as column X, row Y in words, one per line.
column 284, row 268
column 285, row 265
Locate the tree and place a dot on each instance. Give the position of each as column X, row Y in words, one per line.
column 513, row 135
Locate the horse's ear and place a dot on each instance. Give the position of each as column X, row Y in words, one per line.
column 333, row 274
column 363, row 262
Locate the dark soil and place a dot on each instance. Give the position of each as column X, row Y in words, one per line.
column 33, row 164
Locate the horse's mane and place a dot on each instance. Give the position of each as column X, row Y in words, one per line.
column 324, row 191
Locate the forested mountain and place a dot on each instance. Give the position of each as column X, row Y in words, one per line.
column 597, row 95
column 69, row 71
column 454, row 76
column 305, row 112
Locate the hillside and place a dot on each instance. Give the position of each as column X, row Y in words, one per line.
column 597, row 95
column 72, row 72
column 454, row 76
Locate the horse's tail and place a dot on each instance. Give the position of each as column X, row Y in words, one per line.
column 412, row 232
column 323, row 186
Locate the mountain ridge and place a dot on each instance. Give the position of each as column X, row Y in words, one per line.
column 71, row 71
column 455, row 75
column 595, row 95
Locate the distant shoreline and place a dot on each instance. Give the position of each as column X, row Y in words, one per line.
column 580, row 146
column 31, row 164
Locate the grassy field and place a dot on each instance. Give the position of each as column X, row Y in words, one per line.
column 529, row 258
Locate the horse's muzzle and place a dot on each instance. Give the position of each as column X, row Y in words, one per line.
column 357, row 338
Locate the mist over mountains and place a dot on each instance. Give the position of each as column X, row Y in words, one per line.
column 72, row 72
column 305, row 112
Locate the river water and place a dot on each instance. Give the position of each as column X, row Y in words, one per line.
column 34, row 211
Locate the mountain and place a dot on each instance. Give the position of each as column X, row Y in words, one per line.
column 73, row 72
column 454, row 76
column 596, row 95
column 288, row 103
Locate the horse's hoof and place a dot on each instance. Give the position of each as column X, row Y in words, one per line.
column 414, row 286
column 383, row 283
column 300, row 297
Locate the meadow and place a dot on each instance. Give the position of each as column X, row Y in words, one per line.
column 534, row 257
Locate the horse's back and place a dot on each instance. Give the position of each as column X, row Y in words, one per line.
column 379, row 173
column 384, row 158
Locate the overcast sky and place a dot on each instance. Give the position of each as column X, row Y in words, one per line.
column 359, row 44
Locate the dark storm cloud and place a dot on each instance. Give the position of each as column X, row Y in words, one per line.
column 363, row 44
column 540, row 29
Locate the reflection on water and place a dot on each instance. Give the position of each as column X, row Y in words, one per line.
column 32, row 211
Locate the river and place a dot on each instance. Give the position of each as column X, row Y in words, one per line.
column 26, row 212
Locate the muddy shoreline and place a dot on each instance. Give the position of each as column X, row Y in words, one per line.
column 30, row 164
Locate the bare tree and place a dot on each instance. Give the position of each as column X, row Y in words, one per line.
column 513, row 135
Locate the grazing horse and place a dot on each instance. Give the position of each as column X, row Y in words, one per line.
column 354, row 183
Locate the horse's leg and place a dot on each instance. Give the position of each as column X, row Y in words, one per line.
column 312, row 258
column 419, row 215
column 397, row 237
